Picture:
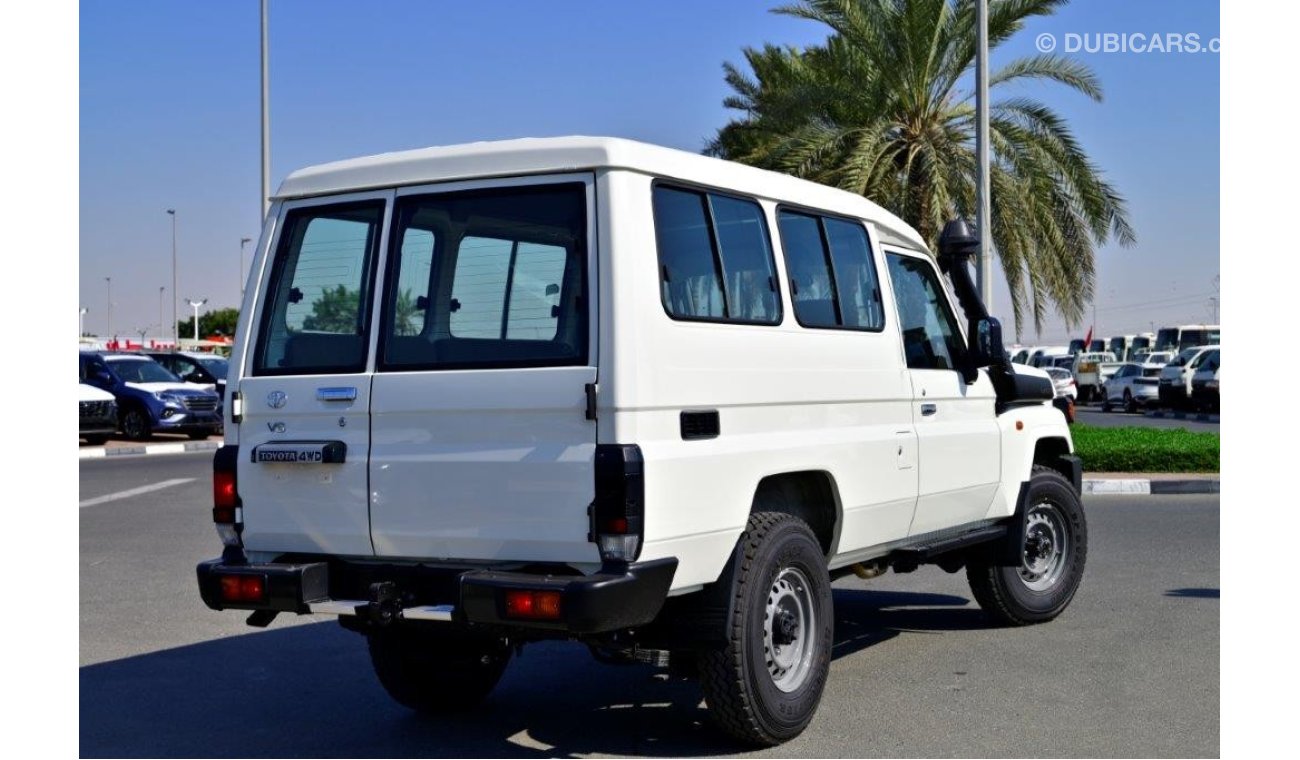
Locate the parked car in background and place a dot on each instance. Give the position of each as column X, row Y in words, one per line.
column 1064, row 361
column 208, row 370
column 1133, row 386
column 1176, row 376
column 1147, row 356
column 1063, row 382
column 149, row 398
column 98, row 412
column 1091, row 368
column 1205, row 383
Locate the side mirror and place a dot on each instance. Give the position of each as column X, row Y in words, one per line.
column 986, row 343
column 103, row 377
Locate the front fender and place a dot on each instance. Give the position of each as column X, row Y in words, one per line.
column 1025, row 430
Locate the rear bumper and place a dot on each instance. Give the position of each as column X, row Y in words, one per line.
column 616, row 597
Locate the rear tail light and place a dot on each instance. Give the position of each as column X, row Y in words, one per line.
column 243, row 589
column 528, row 604
column 618, row 512
column 226, row 506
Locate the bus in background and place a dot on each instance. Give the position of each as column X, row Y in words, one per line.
column 1125, row 347
column 1097, row 346
column 1176, row 339
column 1077, row 345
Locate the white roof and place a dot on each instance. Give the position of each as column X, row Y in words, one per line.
column 548, row 155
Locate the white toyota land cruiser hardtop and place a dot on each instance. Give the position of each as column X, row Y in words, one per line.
column 592, row 389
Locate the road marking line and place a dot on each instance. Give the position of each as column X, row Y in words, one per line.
column 134, row 492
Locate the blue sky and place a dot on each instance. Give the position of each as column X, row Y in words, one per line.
column 169, row 119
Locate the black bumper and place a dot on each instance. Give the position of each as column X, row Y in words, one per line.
column 616, row 597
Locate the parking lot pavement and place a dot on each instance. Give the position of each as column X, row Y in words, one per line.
column 1091, row 414
column 1130, row 669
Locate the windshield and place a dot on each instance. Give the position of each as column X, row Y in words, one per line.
column 1167, row 339
column 1141, row 343
column 214, row 364
column 141, row 371
column 1184, row 357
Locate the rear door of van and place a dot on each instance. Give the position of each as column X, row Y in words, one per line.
column 305, row 433
column 481, row 447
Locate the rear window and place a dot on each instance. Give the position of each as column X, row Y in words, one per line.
column 833, row 278
column 316, row 317
column 487, row 279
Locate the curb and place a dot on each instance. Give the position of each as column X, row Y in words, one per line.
column 1135, row 486
column 153, row 448
column 1194, row 416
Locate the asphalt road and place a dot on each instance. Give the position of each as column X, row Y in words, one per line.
column 1093, row 415
column 1130, row 669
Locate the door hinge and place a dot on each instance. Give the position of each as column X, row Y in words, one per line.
column 591, row 389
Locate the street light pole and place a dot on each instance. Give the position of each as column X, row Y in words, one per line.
column 109, row 280
column 161, row 288
column 81, row 323
column 195, row 305
column 266, row 115
column 175, row 324
column 242, row 242
column 983, row 217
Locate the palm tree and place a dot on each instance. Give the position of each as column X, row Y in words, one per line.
column 885, row 108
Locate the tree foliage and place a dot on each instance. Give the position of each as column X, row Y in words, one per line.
column 220, row 321
column 885, row 108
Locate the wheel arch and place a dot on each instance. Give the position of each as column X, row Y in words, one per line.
column 811, row 495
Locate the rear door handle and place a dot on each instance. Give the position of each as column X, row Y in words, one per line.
column 929, row 409
column 336, row 394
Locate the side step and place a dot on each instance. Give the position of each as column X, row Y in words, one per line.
column 909, row 558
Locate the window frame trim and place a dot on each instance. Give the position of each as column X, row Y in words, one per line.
column 872, row 248
column 715, row 245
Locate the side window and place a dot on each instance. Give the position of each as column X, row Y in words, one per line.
column 811, row 282
column 488, row 278
column 833, row 276
column 931, row 337
column 715, row 257
column 316, row 315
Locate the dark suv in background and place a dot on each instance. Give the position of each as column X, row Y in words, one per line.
column 151, row 399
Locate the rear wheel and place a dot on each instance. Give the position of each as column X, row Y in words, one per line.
column 435, row 671
column 764, row 684
column 1053, row 555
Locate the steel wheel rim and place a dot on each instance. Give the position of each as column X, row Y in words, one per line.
column 1047, row 547
column 789, row 630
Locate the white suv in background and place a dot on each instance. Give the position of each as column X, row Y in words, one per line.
column 1176, row 376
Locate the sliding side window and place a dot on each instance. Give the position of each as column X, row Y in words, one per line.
column 833, row 277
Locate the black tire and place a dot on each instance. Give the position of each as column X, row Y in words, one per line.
column 779, row 572
column 1105, row 404
column 1022, row 595
column 95, row 440
column 1130, row 404
column 135, row 424
column 431, row 670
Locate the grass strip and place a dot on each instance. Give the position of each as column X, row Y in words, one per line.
column 1142, row 449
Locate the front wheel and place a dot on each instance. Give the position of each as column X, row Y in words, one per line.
column 1130, row 404
column 436, row 671
column 764, row 684
column 1053, row 554
column 135, row 424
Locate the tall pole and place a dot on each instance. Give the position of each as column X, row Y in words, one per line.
column 984, row 274
column 242, row 243
column 81, row 323
column 161, row 288
column 175, row 323
column 266, row 116
column 109, row 280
